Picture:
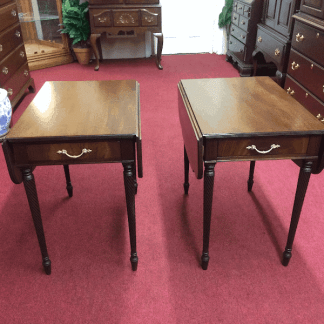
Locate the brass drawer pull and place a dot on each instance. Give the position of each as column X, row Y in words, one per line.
column 102, row 20
column 317, row 35
column 299, row 38
column 259, row 39
column 26, row 73
column 10, row 91
column 5, row 70
column 84, row 151
column 1, row 48
column 17, row 33
column 273, row 146
column 290, row 91
column 13, row 13
column 294, row 65
column 22, row 54
column 277, row 52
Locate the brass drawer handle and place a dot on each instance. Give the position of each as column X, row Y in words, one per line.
column 84, row 151
column 1, row 48
column 102, row 20
column 13, row 13
column 277, row 52
column 294, row 65
column 5, row 70
column 22, row 54
column 26, row 73
column 272, row 147
column 259, row 39
column 17, row 33
column 299, row 38
column 290, row 91
column 10, row 92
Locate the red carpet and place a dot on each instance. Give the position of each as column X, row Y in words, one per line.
column 87, row 235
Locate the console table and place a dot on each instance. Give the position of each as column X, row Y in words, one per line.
column 123, row 19
column 58, row 132
column 245, row 119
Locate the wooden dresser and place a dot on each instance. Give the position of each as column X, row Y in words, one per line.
column 305, row 75
column 274, row 36
column 123, row 19
column 14, row 71
column 245, row 16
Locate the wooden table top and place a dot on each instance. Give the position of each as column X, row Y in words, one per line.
column 241, row 107
column 81, row 108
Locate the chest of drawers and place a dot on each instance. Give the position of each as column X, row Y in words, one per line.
column 125, row 18
column 246, row 14
column 305, row 79
column 14, row 71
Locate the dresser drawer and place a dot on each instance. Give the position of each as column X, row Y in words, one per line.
column 247, row 11
column 17, row 81
column 259, row 147
column 304, row 97
column 238, row 33
column 237, row 48
column 10, row 40
column 271, row 46
column 243, row 23
column 307, row 72
column 69, row 153
column 240, row 8
column 235, row 18
column 8, row 16
column 309, row 41
column 12, row 63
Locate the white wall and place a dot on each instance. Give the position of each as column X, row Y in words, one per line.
column 186, row 27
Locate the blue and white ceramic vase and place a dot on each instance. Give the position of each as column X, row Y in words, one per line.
column 5, row 112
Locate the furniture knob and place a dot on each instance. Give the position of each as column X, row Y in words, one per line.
column 312, row 66
column 233, row 29
column 277, row 52
column 102, row 20
column 294, row 66
column 230, row 42
column 259, row 39
column 13, row 13
column 1, row 48
column 246, row 10
column 5, row 70
column 317, row 35
column 243, row 36
column 299, row 38
column 234, row 18
column 241, row 50
column 323, row 87
column 243, row 22
column 10, row 92
column 17, row 33
column 306, row 95
column 272, row 147
column 290, row 91
column 26, row 73
column 84, row 151
column 22, row 54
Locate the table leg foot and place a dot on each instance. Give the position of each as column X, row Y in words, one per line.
column 159, row 37
column 204, row 261
column 93, row 42
column 47, row 265
column 286, row 257
column 69, row 186
column 134, row 261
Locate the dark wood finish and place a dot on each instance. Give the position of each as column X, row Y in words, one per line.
column 305, row 80
column 313, row 7
column 125, row 18
column 250, row 119
column 273, row 39
column 14, row 71
column 246, row 14
column 59, row 127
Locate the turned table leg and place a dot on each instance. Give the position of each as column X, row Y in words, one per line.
column 30, row 188
column 186, row 172
column 159, row 37
column 130, row 202
column 209, row 176
column 69, row 186
column 93, row 42
column 303, row 179
column 251, row 175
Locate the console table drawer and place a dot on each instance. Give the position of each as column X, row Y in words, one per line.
column 70, row 153
column 262, row 147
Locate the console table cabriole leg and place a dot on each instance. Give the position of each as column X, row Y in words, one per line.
column 209, row 175
column 303, row 179
column 69, row 186
column 93, row 42
column 186, row 172
column 30, row 188
column 159, row 37
column 251, row 175
column 130, row 202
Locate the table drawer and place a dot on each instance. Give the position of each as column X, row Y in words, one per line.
column 238, row 33
column 8, row 16
column 304, row 97
column 263, row 147
column 69, row 153
column 307, row 72
column 10, row 40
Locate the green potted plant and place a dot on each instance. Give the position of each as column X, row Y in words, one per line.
column 76, row 25
column 224, row 19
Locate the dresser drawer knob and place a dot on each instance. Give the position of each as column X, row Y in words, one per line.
column 319, row 116
column 10, row 91
column 294, row 65
column 84, row 151
column 13, row 13
column 317, row 35
column 5, row 70
column 241, row 50
column 290, row 91
column 272, row 147
column 277, row 52
column 299, row 38
column 243, row 22
column 259, row 39
column 17, row 33
column 323, row 88
column 240, row 8
column 312, row 66
column 22, row 54
column 242, row 36
column 234, row 18
column 26, row 73
column 306, row 95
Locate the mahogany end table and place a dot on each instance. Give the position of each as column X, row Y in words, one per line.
column 78, row 122
column 245, row 119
